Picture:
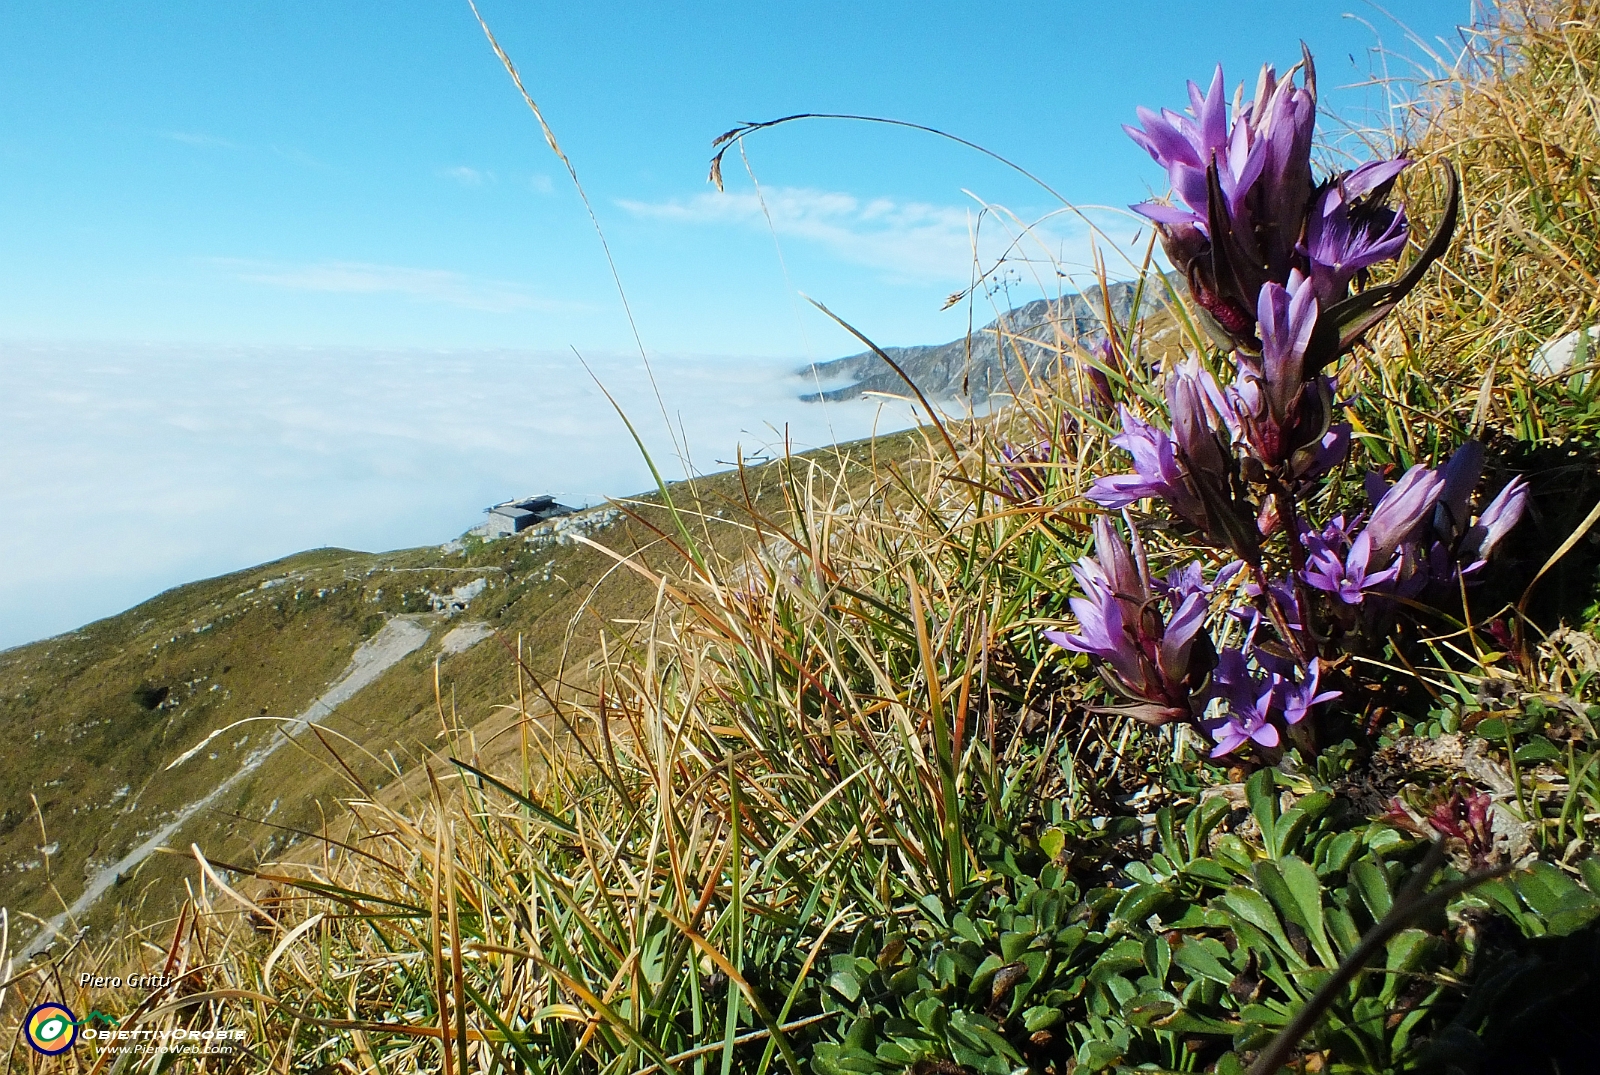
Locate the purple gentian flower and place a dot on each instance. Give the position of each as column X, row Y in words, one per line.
column 1145, row 655
column 1190, row 579
column 1400, row 513
column 1384, row 550
column 1156, row 472
column 1455, row 544
column 1204, row 427
column 1247, row 720
column 1232, row 679
column 1266, row 152
column 1185, row 146
column 1254, row 701
column 1284, row 116
column 1326, row 570
column 1262, row 170
column 1107, row 356
column 1021, row 478
column 1503, row 513
column 1281, row 593
column 1341, row 565
column 1246, row 211
column 1452, row 511
column 1102, row 632
column 1299, row 698
column 1183, row 581
column 1199, row 418
column 1329, row 453
column 1350, row 229
column 1286, row 315
column 1275, row 409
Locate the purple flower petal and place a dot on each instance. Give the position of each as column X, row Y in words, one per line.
column 1372, row 175
column 1503, row 513
column 1179, row 636
column 1461, row 474
column 1345, row 236
column 1119, row 490
column 1166, row 214
column 1401, row 512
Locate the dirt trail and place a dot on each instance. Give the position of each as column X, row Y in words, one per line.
column 372, row 658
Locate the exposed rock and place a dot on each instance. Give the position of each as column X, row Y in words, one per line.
column 973, row 368
column 463, row 638
column 457, row 599
column 1559, row 355
column 1411, row 756
column 1239, row 821
column 564, row 530
column 1513, row 837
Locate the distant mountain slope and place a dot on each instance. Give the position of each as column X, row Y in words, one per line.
column 974, row 368
column 99, row 727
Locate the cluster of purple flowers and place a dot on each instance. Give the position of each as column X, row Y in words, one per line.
column 1256, row 699
column 1420, row 532
column 1276, row 263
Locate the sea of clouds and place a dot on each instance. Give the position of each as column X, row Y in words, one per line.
column 128, row 469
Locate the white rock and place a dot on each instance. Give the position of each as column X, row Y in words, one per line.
column 1557, row 356
column 459, row 598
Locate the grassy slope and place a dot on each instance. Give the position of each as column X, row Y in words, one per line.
column 89, row 730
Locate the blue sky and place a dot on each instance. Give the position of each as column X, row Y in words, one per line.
column 364, row 174
column 276, row 275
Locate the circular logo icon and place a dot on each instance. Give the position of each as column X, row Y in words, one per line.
column 51, row 1028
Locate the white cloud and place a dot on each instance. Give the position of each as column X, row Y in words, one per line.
column 468, row 177
column 198, row 460
column 910, row 240
column 364, row 278
column 541, row 183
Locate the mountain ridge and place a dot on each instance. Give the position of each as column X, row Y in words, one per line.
column 973, row 368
